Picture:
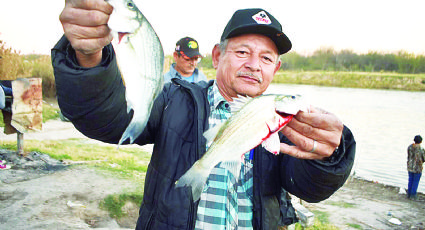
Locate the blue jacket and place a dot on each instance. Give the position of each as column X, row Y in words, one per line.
column 176, row 125
column 197, row 75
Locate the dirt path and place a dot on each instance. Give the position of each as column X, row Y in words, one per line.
column 35, row 197
column 64, row 199
column 52, row 130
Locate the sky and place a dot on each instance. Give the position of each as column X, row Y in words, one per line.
column 386, row 26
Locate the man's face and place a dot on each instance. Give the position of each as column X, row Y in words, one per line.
column 247, row 66
column 185, row 65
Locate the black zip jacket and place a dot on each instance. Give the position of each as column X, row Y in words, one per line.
column 94, row 100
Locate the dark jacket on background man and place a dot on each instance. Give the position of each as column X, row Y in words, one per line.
column 94, row 100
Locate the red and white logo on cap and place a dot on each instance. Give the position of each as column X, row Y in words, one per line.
column 262, row 18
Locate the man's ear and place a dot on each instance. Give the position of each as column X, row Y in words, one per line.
column 216, row 52
column 279, row 63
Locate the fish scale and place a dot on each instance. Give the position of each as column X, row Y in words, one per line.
column 254, row 121
column 140, row 58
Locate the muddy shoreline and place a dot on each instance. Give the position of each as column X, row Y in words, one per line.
column 42, row 193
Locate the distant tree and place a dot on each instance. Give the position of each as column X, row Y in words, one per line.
column 206, row 62
column 347, row 60
column 12, row 65
column 293, row 60
column 323, row 59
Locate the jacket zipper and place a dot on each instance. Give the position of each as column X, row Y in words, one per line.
column 192, row 214
column 191, row 222
column 149, row 223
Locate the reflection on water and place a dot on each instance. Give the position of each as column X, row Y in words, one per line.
column 383, row 122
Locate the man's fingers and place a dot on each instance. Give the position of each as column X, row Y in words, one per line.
column 319, row 118
column 85, row 25
column 83, row 17
column 89, row 46
column 304, row 143
column 100, row 5
column 311, row 132
column 80, row 32
column 296, row 152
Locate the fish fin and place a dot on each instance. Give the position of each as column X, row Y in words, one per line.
column 211, row 133
column 234, row 167
column 196, row 177
column 272, row 144
column 238, row 102
column 129, row 104
column 133, row 130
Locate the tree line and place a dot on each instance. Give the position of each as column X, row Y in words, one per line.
column 13, row 65
column 328, row 59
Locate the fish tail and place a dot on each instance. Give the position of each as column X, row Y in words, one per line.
column 195, row 177
column 133, row 130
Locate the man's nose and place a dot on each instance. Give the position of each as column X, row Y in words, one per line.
column 253, row 63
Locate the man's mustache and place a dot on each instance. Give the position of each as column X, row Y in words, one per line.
column 250, row 74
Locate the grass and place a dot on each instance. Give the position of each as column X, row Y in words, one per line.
column 341, row 204
column 356, row 226
column 114, row 203
column 49, row 113
column 128, row 162
column 321, row 222
column 369, row 80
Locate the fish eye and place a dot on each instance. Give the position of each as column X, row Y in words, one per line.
column 130, row 5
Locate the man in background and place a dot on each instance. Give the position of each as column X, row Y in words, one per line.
column 186, row 57
column 415, row 160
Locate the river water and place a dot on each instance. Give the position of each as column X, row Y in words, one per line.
column 384, row 123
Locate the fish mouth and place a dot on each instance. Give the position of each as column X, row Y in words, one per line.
column 250, row 76
column 121, row 35
column 285, row 115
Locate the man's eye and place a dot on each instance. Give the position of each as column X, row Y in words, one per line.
column 241, row 53
column 267, row 60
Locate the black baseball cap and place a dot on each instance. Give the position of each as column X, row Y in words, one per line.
column 188, row 46
column 257, row 21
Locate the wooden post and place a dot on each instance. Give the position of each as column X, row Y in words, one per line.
column 20, row 143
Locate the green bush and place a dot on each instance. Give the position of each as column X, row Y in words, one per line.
column 14, row 66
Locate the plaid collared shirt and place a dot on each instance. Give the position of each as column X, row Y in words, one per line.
column 226, row 203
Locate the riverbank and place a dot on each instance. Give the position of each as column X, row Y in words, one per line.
column 366, row 80
column 363, row 204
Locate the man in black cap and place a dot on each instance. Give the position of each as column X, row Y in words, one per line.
column 317, row 150
column 186, row 56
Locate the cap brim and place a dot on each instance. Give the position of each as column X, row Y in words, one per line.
column 192, row 54
column 281, row 41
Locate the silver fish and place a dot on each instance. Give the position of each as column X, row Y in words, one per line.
column 254, row 121
column 140, row 58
